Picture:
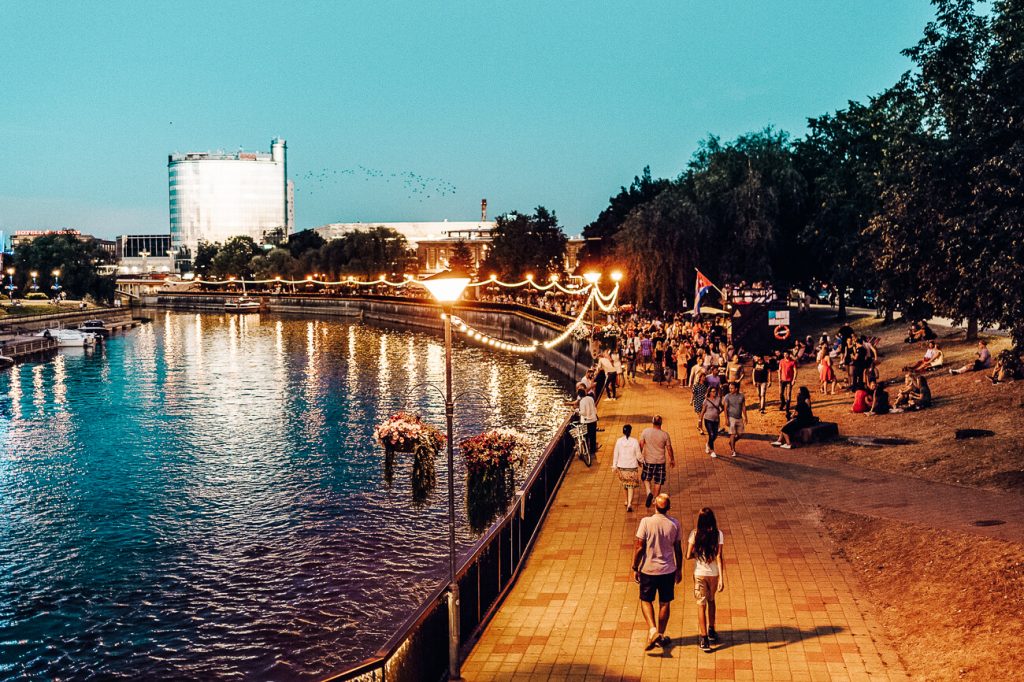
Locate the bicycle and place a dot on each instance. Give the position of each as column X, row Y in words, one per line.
column 579, row 436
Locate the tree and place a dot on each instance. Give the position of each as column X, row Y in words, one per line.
column 203, row 261
column 526, row 244
column 600, row 234
column 275, row 263
column 462, row 258
column 78, row 262
column 302, row 242
column 234, row 258
column 378, row 250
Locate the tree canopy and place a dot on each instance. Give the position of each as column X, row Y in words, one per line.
column 526, row 245
column 78, row 262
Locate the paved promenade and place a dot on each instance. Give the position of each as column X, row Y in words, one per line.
column 791, row 610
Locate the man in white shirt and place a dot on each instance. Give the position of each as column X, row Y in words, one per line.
column 588, row 417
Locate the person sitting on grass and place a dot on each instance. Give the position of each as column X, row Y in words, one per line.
column 879, row 399
column 1008, row 367
column 862, row 401
column 983, row 361
column 804, row 417
column 917, row 398
column 932, row 358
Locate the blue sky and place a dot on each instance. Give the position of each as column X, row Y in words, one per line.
column 524, row 103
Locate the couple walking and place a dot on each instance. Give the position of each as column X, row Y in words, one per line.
column 658, row 567
column 649, row 456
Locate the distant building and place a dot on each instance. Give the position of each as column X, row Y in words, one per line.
column 434, row 254
column 216, row 196
column 143, row 253
column 28, row 236
column 413, row 232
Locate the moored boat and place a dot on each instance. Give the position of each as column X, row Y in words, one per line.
column 97, row 327
column 69, row 338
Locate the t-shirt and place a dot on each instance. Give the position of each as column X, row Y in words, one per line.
column 712, row 408
column 588, row 410
column 787, row 370
column 655, row 442
column 760, row 373
column 734, row 405
column 659, row 534
column 985, row 358
column 705, row 568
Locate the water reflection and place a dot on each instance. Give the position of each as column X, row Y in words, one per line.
column 201, row 498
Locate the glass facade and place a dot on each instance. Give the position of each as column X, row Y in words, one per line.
column 214, row 197
column 132, row 245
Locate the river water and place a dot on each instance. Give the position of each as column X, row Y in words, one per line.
column 201, row 497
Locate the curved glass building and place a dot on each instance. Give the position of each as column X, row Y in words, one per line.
column 216, row 196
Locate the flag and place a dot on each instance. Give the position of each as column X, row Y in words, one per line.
column 701, row 290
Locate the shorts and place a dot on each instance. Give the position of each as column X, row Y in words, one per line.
column 735, row 426
column 654, row 473
column 664, row 585
column 704, row 587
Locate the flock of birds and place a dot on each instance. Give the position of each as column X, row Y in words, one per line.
column 417, row 186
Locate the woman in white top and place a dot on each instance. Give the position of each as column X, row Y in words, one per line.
column 626, row 461
column 705, row 548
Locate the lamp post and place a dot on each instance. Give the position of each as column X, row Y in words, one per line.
column 35, row 287
column 446, row 288
column 145, row 254
column 10, row 283
column 56, row 284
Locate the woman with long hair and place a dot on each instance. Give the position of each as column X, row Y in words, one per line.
column 699, row 388
column 804, row 417
column 705, row 548
column 709, row 416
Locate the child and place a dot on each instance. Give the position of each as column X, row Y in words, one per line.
column 705, row 548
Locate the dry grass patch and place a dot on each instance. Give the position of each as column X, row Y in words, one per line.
column 951, row 603
column 964, row 401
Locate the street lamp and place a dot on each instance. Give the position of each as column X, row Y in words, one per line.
column 592, row 279
column 10, row 283
column 34, row 274
column 446, row 288
column 56, row 284
column 145, row 254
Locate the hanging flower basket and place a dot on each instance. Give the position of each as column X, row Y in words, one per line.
column 491, row 459
column 404, row 432
column 582, row 332
column 408, row 433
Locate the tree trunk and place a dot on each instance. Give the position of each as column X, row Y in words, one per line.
column 972, row 328
column 888, row 315
column 842, row 303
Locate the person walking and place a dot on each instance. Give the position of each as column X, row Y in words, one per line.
column 710, row 415
column 704, row 546
column 588, row 417
column 825, row 371
column 787, row 375
column 658, row 566
column 699, row 389
column 762, row 377
column 655, row 450
column 736, row 414
column 631, row 353
column 626, row 462
column 611, row 376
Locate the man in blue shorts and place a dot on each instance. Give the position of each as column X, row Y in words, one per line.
column 658, row 567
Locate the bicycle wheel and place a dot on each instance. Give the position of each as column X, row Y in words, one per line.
column 584, row 449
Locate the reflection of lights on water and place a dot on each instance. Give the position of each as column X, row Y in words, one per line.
column 410, row 361
column 60, row 388
column 16, row 393
column 383, row 366
column 233, row 334
column 38, row 398
column 279, row 336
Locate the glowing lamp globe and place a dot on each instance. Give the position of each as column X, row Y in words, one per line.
column 592, row 277
column 617, row 276
column 447, row 286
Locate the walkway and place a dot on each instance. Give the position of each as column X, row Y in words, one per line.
column 791, row 610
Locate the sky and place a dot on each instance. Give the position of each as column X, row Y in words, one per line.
column 412, row 111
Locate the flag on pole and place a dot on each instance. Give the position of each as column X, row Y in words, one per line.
column 701, row 289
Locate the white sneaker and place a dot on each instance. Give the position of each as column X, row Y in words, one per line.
column 776, row 443
column 734, row 453
column 707, row 450
column 714, row 454
column 786, row 446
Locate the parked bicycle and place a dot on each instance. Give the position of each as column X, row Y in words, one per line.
column 579, row 437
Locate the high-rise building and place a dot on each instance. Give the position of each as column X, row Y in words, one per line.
column 216, row 196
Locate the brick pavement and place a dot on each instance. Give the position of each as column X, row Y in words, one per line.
column 791, row 610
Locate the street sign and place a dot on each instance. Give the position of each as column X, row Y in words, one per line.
column 778, row 318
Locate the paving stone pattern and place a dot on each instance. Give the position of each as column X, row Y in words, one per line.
column 791, row 611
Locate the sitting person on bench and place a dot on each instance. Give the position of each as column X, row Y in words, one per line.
column 804, row 417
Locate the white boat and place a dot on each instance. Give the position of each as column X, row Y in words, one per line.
column 6, row 362
column 242, row 304
column 69, row 338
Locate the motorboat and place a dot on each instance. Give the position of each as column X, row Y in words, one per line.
column 97, row 327
column 6, row 362
column 69, row 338
column 242, row 304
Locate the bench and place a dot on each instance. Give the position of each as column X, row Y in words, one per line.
column 818, row 433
